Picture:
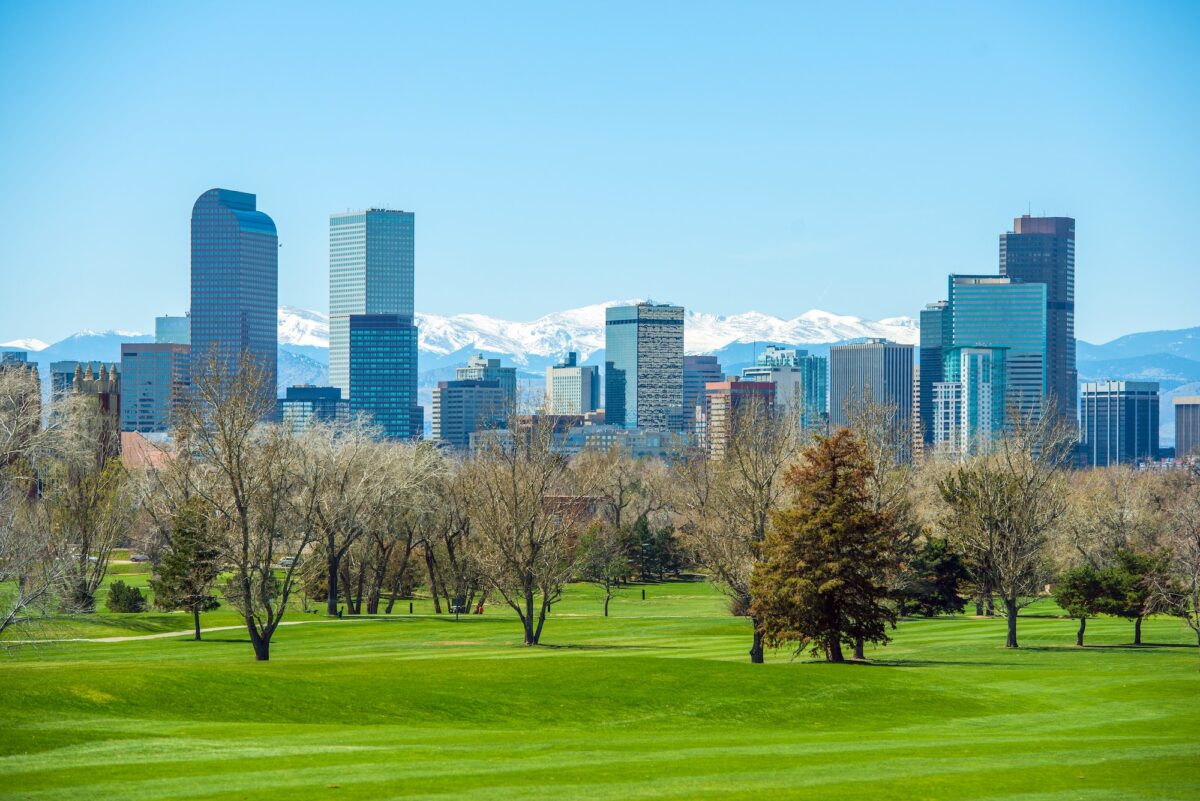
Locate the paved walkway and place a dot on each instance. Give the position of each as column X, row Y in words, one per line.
column 162, row 635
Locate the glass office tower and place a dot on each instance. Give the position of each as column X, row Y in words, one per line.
column 371, row 268
column 383, row 372
column 1119, row 422
column 987, row 311
column 1042, row 250
column 643, row 367
column 154, row 381
column 801, row 381
column 968, row 409
column 172, row 329
column 877, row 370
column 935, row 340
column 235, row 283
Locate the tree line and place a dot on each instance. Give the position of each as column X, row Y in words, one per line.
column 822, row 540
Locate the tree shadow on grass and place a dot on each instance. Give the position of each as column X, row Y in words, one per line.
column 1148, row 647
column 599, row 647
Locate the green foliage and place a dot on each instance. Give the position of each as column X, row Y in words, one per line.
column 124, row 598
column 1130, row 581
column 1083, row 591
column 655, row 551
column 819, row 582
column 190, row 564
column 932, row 581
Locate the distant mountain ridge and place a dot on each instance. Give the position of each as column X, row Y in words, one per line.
column 1170, row 357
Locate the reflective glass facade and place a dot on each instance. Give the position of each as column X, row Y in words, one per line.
column 994, row 312
column 1119, row 422
column 801, row 381
column 935, row 339
column 154, row 380
column 383, row 372
column 1042, row 250
column 371, row 269
column 235, row 282
column 173, row 329
column 643, row 368
column 968, row 407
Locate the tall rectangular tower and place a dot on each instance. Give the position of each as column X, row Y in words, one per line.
column 1119, row 422
column 235, row 283
column 643, row 367
column 876, row 369
column 1042, row 250
column 987, row 311
column 935, row 340
column 371, row 268
column 383, row 373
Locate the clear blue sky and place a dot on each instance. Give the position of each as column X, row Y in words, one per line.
column 729, row 157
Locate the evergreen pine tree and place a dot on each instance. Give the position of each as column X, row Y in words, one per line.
column 818, row 583
column 189, row 566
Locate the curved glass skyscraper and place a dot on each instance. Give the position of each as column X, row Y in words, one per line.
column 235, row 282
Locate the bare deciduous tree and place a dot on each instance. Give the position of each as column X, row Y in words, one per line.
column 725, row 505
column 258, row 482
column 1003, row 505
column 526, row 512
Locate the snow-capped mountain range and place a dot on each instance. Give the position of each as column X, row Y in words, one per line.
column 1170, row 357
column 582, row 330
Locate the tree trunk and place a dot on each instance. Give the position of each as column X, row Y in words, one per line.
column 262, row 645
column 196, row 619
column 1010, row 612
column 756, row 646
column 537, row 632
column 607, row 598
column 331, row 597
column 858, row 648
column 978, row 607
column 434, row 590
column 835, row 651
column 990, row 607
column 349, row 591
column 530, row 638
column 1079, row 634
column 1137, row 630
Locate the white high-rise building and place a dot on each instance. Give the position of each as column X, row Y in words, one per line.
column 572, row 388
column 371, row 266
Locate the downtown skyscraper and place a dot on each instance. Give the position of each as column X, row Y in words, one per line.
column 371, row 268
column 643, row 367
column 1042, row 250
column 235, row 283
column 372, row 338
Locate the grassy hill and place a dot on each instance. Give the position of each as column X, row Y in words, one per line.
column 657, row 701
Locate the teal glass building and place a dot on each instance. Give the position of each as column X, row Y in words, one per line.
column 371, row 267
column 992, row 312
column 383, row 372
column 969, row 401
column 235, row 283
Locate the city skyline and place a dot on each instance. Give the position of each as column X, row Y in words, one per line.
column 797, row 180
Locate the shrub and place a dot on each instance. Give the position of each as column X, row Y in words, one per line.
column 124, row 598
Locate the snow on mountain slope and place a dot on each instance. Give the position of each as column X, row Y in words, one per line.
column 32, row 345
column 582, row 330
column 303, row 327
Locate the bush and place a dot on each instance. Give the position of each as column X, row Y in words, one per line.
column 124, row 598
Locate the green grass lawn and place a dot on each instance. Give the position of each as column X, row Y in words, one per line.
column 657, row 701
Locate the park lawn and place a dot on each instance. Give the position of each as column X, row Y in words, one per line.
column 657, row 701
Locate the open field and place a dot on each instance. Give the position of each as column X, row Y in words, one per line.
column 657, row 701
